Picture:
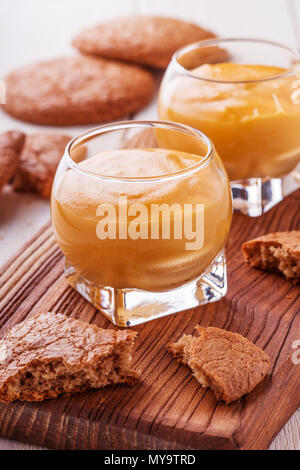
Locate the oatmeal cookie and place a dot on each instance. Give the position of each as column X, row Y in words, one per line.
column 145, row 40
column 50, row 354
column 228, row 363
column 77, row 90
column 39, row 159
column 279, row 251
column 11, row 143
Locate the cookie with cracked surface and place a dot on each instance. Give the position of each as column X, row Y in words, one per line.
column 279, row 251
column 146, row 40
column 228, row 363
column 11, row 143
column 51, row 354
column 39, row 159
column 77, row 90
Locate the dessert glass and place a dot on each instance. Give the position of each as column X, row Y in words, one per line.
column 248, row 103
column 142, row 223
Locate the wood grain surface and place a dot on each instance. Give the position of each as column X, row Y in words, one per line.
column 20, row 215
column 168, row 409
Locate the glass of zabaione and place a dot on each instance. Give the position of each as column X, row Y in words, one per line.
column 141, row 211
column 244, row 94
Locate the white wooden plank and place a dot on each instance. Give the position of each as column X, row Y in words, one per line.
column 267, row 19
column 289, row 436
column 294, row 11
column 21, row 215
column 38, row 29
column 8, row 444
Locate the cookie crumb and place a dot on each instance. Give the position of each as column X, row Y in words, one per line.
column 227, row 363
column 11, row 144
column 278, row 251
column 51, row 354
column 39, row 159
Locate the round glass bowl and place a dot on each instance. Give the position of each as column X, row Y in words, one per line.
column 246, row 98
column 141, row 211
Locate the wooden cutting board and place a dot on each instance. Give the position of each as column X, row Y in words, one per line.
column 168, row 409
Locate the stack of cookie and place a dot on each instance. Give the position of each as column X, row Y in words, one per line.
column 110, row 79
column 107, row 81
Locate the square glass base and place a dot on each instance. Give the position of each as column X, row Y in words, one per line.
column 256, row 196
column 129, row 307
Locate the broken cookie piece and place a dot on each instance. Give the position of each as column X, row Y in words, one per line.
column 11, row 143
column 39, row 159
column 278, row 251
column 51, row 354
column 228, row 363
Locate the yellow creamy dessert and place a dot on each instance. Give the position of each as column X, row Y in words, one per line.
column 248, row 111
column 133, row 184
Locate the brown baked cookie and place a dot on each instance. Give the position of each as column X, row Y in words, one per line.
column 39, row 159
column 51, row 354
column 76, row 90
column 278, row 251
column 146, row 40
column 11, row 143
column 228, row 363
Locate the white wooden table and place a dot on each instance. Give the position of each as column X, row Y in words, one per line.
column 37, row 29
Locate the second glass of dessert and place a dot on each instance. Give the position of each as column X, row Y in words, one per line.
column 141, row 211
column 245, row 95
